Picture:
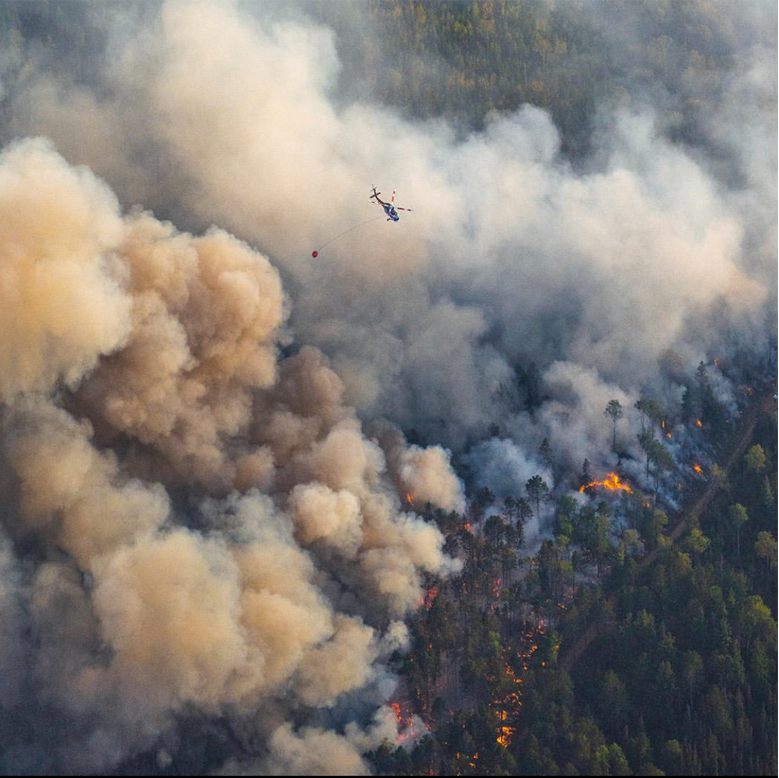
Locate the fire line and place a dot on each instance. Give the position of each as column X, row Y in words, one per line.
column 610, row 482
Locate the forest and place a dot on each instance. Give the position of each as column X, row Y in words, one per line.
column 635, row 631
column 642, row 648
column 639, row 646
column 466, row 61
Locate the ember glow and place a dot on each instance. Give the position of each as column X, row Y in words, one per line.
column 506, row 732
column 509, row 704
column 611, row 482
column 406, row 729
column 697, row 468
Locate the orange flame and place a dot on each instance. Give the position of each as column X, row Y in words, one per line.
column 504, row 738
column 699, row 422
column 610, row 482
column 409, row 499
column 697, row 468
column 405, row 724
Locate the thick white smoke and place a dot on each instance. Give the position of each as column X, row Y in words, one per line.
column 511, row 255
column 61, row 308
column 199, row 527
column 208, row 529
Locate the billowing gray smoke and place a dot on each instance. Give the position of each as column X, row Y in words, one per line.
column 278, row 581
column 511, row 256
column 197, row 527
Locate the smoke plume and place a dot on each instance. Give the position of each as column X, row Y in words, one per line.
column 200, row 527
column 213, row 447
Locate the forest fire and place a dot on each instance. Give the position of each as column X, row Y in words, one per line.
column 406, row 729
column 409, row 725
column 510, row 702
column 611, row 482
column 207, row 561
column 506, row 732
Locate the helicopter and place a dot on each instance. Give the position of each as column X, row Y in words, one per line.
column 389, row 208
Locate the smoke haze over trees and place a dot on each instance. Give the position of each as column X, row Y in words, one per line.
column 230, row 471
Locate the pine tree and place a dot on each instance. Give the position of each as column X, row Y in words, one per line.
column 614, row 411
